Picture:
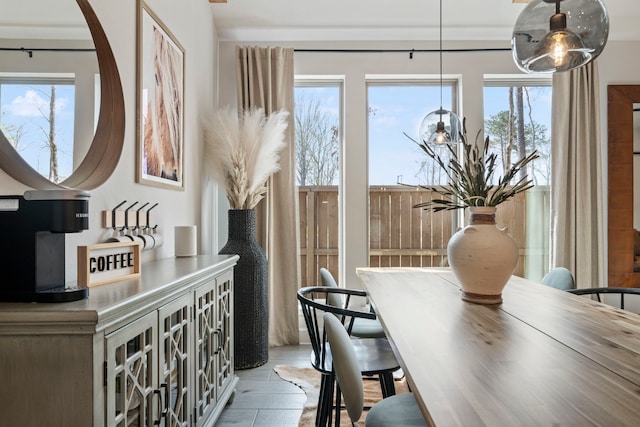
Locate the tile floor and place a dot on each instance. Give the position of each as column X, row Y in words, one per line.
column 263, row 398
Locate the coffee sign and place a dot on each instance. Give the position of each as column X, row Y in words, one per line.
column 108, row 262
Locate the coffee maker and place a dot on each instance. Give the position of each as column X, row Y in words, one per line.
column 32, row 246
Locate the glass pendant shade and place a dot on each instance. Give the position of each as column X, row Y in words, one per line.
column 550, row 37
column 440, row 127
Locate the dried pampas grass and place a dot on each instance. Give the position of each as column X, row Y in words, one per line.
column 243, row 151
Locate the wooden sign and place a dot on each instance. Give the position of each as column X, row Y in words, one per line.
column 108, row 262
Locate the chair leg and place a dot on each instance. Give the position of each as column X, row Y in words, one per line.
column 387, row 385
column 320, row 417
column 325, row 401
column 338, row 404
column 331, row 390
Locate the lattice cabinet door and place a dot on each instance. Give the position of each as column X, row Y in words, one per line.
column 224, row 349
column 175, row 351
column 131, row 373
column 206, row 343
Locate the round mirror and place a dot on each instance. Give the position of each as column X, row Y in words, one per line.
column 102, row 148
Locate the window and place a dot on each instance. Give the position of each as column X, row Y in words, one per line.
column 37, row 116
column 396, row 108
column 518, row 121
column 318, row 135
column 400, row 235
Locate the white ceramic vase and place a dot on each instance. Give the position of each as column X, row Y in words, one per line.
column 482, row 257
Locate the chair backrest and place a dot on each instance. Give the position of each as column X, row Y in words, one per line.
column 620, row 292
column 559, row 278
column 313, row 301
column 345, row 365
column 327, row 279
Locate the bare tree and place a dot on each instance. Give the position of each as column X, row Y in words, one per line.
column 13, row 133
column 531, row 135
column 509, row 148
column 522, row 151
column 317, row 143
column 430, row 172
column 49, row 141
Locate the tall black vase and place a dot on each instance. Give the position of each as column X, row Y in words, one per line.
column 250, row 301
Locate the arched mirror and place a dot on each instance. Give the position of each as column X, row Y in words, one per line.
column 624, row 240
column 103, row 151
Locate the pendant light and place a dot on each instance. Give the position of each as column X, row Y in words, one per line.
column 440, row 126
column 559, row 35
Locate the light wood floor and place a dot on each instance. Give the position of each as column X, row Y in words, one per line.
column 263, row 398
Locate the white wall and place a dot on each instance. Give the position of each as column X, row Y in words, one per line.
column 191, row 22
column 618, row 64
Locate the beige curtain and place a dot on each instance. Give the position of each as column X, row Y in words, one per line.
column 576, row 188
column 265, row 79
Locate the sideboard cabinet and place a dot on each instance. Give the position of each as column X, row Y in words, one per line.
column 155, row 350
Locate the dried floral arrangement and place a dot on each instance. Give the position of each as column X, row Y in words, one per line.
column 470, row 177
column 243, row 151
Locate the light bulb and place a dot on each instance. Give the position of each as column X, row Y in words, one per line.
column 442, row 135
column 559, row 48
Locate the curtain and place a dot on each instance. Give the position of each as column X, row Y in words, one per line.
column 265, row 79
column 576, row 187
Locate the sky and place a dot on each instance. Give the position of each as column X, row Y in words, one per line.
column 398, row 109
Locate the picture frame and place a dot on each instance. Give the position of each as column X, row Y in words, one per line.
column 160, row 103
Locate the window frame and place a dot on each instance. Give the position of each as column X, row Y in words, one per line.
column 312, row 81
column 532, row 270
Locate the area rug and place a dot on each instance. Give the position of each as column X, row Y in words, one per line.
column 308, row 379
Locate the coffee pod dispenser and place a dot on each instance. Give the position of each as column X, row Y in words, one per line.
column 32, row 230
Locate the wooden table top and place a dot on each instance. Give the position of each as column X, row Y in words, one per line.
column 543, row 357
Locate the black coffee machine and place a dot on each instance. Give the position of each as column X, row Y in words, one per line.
column 32, row 246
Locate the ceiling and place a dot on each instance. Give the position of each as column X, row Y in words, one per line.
column 326, row 20
column 42, row 19
column 365, row 20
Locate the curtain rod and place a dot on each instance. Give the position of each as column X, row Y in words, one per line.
column 30, row 51
column 409, row 51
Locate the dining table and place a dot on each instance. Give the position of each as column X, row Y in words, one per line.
column 542, row 357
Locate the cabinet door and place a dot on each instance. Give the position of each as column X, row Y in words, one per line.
column 213, row 344
column 205, row 339
column 224, row 348
column 131, row 373
column 175, row 350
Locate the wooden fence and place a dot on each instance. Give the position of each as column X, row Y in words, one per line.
column 399, row 235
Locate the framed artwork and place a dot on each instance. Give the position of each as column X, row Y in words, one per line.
column 160, row 104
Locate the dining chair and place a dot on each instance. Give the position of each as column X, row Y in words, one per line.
column 619, row 292
column 559, row 278
column 397, row 410
column 362, row 328
column 374, row 356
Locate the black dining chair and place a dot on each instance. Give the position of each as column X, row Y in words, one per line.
column 375, row 356
column 613, row 291
column 362, row 327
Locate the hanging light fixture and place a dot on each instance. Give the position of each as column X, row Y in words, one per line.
column 440, row 126
column 559, row 35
